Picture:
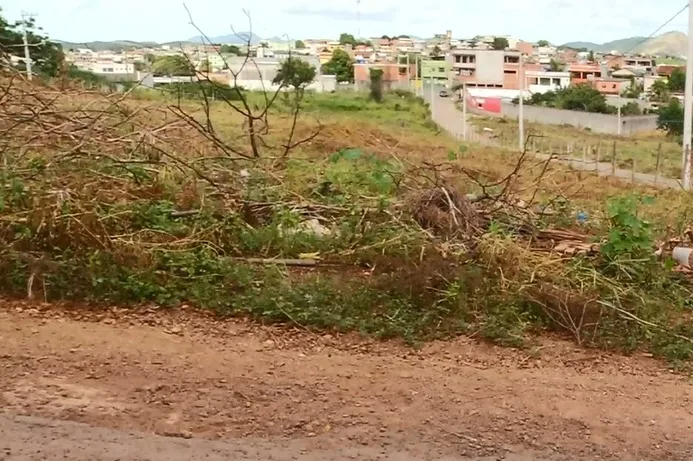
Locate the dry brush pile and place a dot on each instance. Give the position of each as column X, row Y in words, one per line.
column 109, row 198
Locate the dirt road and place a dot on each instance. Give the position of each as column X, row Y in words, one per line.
column 156, row 385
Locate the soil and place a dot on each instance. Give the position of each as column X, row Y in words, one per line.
column 118, row 384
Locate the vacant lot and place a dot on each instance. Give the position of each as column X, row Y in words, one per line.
column 643, row 149
column 353, row 216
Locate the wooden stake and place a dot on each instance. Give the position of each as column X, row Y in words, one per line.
column 613, row 160
column 659, row 157
column 596, row 160
column 632, row 174
column 584, row 157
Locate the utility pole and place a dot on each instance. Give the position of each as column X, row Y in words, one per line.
column 618, row 120
column 416, row 72
column 27, row 54
column 408, row 74
column 464, row 111
column 688, row 104
column 433, row 98
column 521, row 118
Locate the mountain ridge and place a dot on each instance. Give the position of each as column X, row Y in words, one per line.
column 673, row 43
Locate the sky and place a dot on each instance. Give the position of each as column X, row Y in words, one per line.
column 558, row 21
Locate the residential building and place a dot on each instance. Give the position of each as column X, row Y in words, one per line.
column 648, row 64
column 394, row 75
column 611, row 86
column 584, row 73
column 543, row 81
column 487, row 68
column 526, row 48
column 111, row 68
column 259, row 73
column 437, row 69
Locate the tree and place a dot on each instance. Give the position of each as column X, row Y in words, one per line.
column 385, row 37
column 633, row 91
column 340, row 66
column 299, row 45
column 205, row 66
column 376, row 85
column 590, row 58
column 47, row 58
column 582, row 97
column 500, row 43
column 670, row 118
column 295, row 73
column 347, row 39
column 677, row 81
column 556, row 66
column 543, row 43
column 659, row 91
column 631, row 108
column 436, row 51
column 230, row 49
column 176, row 65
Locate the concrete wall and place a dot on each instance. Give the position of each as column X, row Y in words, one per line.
column 489, row 67
column 598, row 123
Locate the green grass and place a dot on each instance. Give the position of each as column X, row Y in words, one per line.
column 113, row 234
column 571, row 141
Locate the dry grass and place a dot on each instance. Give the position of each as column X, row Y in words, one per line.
column 572, row 141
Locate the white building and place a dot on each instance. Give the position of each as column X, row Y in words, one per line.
column 111, row 68
column 543, row 81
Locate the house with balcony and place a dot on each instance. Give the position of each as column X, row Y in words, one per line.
column 584, row 73
column 487, row 68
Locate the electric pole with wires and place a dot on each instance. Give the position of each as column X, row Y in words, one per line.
column 26, row 17
column 688, row 105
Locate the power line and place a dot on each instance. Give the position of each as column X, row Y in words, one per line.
column 658, row 29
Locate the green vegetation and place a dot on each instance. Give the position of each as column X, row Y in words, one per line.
column 376, row 85
column 670, row 118
column 47, row 56
column 299, row 45
column 175, row 65
column 340, row 66
column 568, row 140
column 231, row 49
column 500, row 43
column 581, row 97
column 363, row 227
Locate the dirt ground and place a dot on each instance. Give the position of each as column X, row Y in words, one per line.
column 153, row 385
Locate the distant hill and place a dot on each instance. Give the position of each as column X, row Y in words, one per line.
column 669, row 44
column 117, row 45
column 231, row 39
column 621, row 45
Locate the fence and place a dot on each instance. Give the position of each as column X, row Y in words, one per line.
column 598, row 123
column 608, row 158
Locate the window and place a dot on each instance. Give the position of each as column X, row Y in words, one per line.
column 512, row 59
column 557, row 81
column 613, row 87
column 441, row 70
column 108, row 69
column 458, row 59
column 545, row 81
column 510, row 72
column 468, row 59
column 533, row 81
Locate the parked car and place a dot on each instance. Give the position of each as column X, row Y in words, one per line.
column 443, row 93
